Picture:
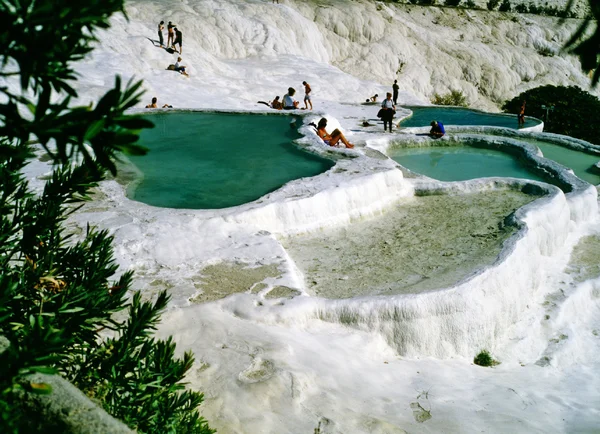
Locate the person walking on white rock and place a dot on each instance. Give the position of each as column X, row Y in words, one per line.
column 307, row 96
column 178, row 40
column 387, row 112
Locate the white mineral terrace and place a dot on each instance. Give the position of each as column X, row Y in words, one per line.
column 358, row 298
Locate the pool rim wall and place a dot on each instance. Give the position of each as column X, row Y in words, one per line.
column 531, row 128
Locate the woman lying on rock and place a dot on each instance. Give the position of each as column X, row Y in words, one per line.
column 333, row 138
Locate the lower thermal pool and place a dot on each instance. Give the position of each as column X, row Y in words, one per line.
column 218, row 160
column 459, row 163
column 420, row 244
column 579, row 162
column 422, row 117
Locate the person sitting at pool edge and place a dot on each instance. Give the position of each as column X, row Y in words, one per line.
column 154, row 104
column 333, row 138
column 276, row 104
column 437, row 129
column 288, row 102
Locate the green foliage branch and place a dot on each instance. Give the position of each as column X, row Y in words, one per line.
column 56, row 296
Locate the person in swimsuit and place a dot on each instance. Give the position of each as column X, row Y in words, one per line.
column 307, row 91
column 170, row 34
column 161, row 27
column 521, row 115
column 333, row 138
column 178, row 40
column 153, row 103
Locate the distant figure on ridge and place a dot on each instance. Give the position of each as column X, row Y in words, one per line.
column 288, row 102
column 387, row 112
column 333, row 138
column 437, row 129
column 307, row 91
column 521, row 115
column 178, row 40
column 170, row 34
column 180, row 68
column 161, row 27
column 395, row 89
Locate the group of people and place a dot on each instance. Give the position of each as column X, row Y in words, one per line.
column 174, row 36
column 289, row 103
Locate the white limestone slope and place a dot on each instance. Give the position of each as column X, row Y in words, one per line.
column 239, row 51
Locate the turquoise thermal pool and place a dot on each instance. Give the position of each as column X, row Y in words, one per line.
column 218, row 160
column 422, row 117
column 460, row 163
column 579, row 162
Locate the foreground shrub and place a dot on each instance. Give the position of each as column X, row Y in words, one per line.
column 56, row 295
column 575, row 110
column 454, row 98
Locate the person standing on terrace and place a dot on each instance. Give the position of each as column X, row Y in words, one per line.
column 307, row 91
column 395, row 89
column 387, row 112
column 161, row 27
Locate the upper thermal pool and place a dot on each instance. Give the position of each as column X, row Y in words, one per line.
column 422, row 116
column 218, row 160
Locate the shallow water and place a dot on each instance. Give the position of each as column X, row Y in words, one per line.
column 427, row 243
column 191, row 165
column 579, row 162
column 422, row 117
column 458, row 163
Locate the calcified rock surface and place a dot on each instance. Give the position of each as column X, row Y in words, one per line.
column 346, row 50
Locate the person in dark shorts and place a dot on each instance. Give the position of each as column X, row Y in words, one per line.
column 170, row 34
column 178, row 40
column 395, row 89
column 437, row 130
column 387, row 112
column 161, row 27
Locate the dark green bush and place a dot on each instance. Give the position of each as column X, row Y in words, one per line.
column 575, row 110
column 505, row 6
column 492, row 4
column 521, row 8
column 484, row 359
column 452, row 2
